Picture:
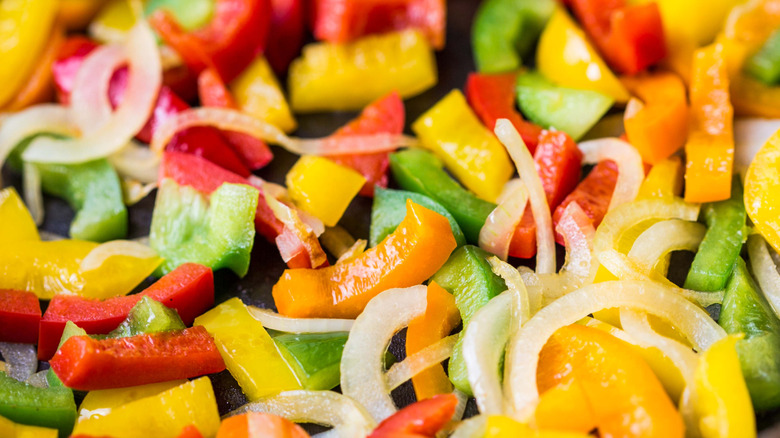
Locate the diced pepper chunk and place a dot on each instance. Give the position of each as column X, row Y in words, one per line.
column 9, row 429
column 257, row 92
column 101, row 402
column 22, row 403
column 259, row 425
column 314, row 357
column 20, row 316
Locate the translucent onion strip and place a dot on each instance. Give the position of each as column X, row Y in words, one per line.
column 631, row 171
column 354, row 251
column 127, row 248
column 524, row 348
column 418, row 362
column 133, row 191
column 89, row 99
column 295, row 229
column 49, row 118
column 33, row 196
column 136, row 162
column 578, row 233
column 337, row 240
column 514, row 282
column 526, row 168
column 765, row 270
column 21, row 360
column 496, row 235
column 326, row 408
column 750, row 134
column 664, row 237
column 362, row 369
column 275, row 321
column 473, row 427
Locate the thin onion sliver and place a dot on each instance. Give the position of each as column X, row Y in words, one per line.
column 496, row 235
column 127, row 248
column 765, row 270
column 631, row 171
column 418, row 362
column 33, row 196
column 664, row 237
column 274, row 321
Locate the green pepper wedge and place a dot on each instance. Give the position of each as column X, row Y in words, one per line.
column 314, row 357
column 52, row 407
column 764, row 65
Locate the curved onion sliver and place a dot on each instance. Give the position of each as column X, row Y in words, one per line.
column 89, row 99
column 765, row 270
column 274, row 321
column 136, row 162
column 418, row 362
column 133, row 191
column 631, row 171
column 128, row 248
column 496, row 235
column 294, row 226
column 33, row 196
column 473, row 427
column 49, row 118
column 521, row 303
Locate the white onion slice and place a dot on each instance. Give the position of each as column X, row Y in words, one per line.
column 33, row 196
column 327, row 408
column 473, row 427
column 133, row 191
column 44, row 118
column 21, row 360
column 89, row 99
column 228, row 119
column 294, row 226
column 578, row 233
column 496, row 235
column 514, row 282
column 143, row 84
column 354, row 251
column 631, row 172
column 750, row 134
column 663, row 237
column 275, row 321
column 526, row 168
column 523, row 353
column 136, row 162
column 337, row 240
column 128, row 248
column 362, row 369
column 418, row 362
column 765, row 270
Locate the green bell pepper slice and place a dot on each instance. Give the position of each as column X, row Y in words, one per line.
column 314, row 357
column 191, row 14
column 764, row 65
column 148, row 316
column 52, row 407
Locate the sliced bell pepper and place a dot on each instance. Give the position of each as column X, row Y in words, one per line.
column 764, row 65
column 20, row 314
column 424, row 418
column 385, row 115
column 118, row 17
column 76, row 14
column 665, row 180
column 410, row 255
column 468, row 149
column 9, row 429
column 190, row 431
column 146, row 317
column 324, row 77
column 657, row 122
column 571, row 110
column 761, row 184
column 257, row 92
column 102, row 402
column 746, row 311
column 189, row 289
column 18, row 225
column 631, row 37
column 250, row 354
column 440, row 318
column 621, row 391
column 217, row 231
column 492, row 97
column 259, row 425
column 164, row 414
column 421, row 172
column 500, row 426
column 314, row 357
column 288, row 27
column 389, row 210
column 86, row 364
column 322, row 187
column 191, row 14
column 566, row 57
column 710, row 147
column 468, row 277
column 236, row 34
column 22, row 403
column 505, row 31
column 726, row 232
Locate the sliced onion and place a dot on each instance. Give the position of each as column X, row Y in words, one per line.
column 362, row 370
column 750, row 134
column 316, row 225
column 578, row 233
column 33, row 196
column 337, row 240
column 276, row 190
column 136, row 162
column 21, row 360
column 534, row 287
column 664, row 237
column 127, row 248
column 418, row 362
column 521, row 311
column 44, row 118
column 295, row 232
column 631, row 172
column 526, row 168
column 144, row 79
column 765, row 270
column 496, row 235
column 524, row 348
column 89, row 99
column 327, row 408
column 228, row 119
column 473, row 427
column 354, row 251
column 38, row 379
column 133, row 191
column 275, row 321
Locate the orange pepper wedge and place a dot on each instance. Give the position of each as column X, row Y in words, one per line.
column 710, row 146
column 259, row 425
column 440, row 318
column 657, row 122
column 408, row 256
column 620, row 389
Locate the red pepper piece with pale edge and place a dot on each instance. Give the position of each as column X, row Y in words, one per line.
column 558, row 162
column 593, row 194
column 492, row 97
column 385, row 115
column 87, row 364
column 288, row 27
column 422, row 419
column 20, row 314
column 189, row 289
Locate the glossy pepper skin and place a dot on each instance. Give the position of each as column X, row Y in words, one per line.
column 288, row 27
column 257, row 92
column 314, row 357
column 422, row 419
column 52, row 407
column 410, row 255
column 9, row 429
column 18, row 225
column 20, row 315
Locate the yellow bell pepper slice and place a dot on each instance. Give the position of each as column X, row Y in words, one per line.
column 664, row 181
column 9, row 429
column 102, row 402
column 350, row 76
column 250, row 354
column 162, row 415
column 25, row 26
column 762, row 185
column 566, row 57
column 722, row 402
column 258, row 93
column 18, row 225
column 113, row 21
column 323, row 188
column 499, row 426
column 469, row 150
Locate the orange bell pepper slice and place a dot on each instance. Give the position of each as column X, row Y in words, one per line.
column 440, row 318
column 259, row 425
column 605, row 379
column 410, row 255
column 710, row 146
column 656, row 123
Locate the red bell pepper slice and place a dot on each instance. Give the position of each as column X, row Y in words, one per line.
column 631, row 37
column 421, row 419
column 558, row 162
column 288, row 30
column 189, row 289
column 190, row 432
column 88, row 364
column 385, row 115
column 492, row 97
column 254, row 153
column 20, row 314
column 236, row 34
column 592, row 194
